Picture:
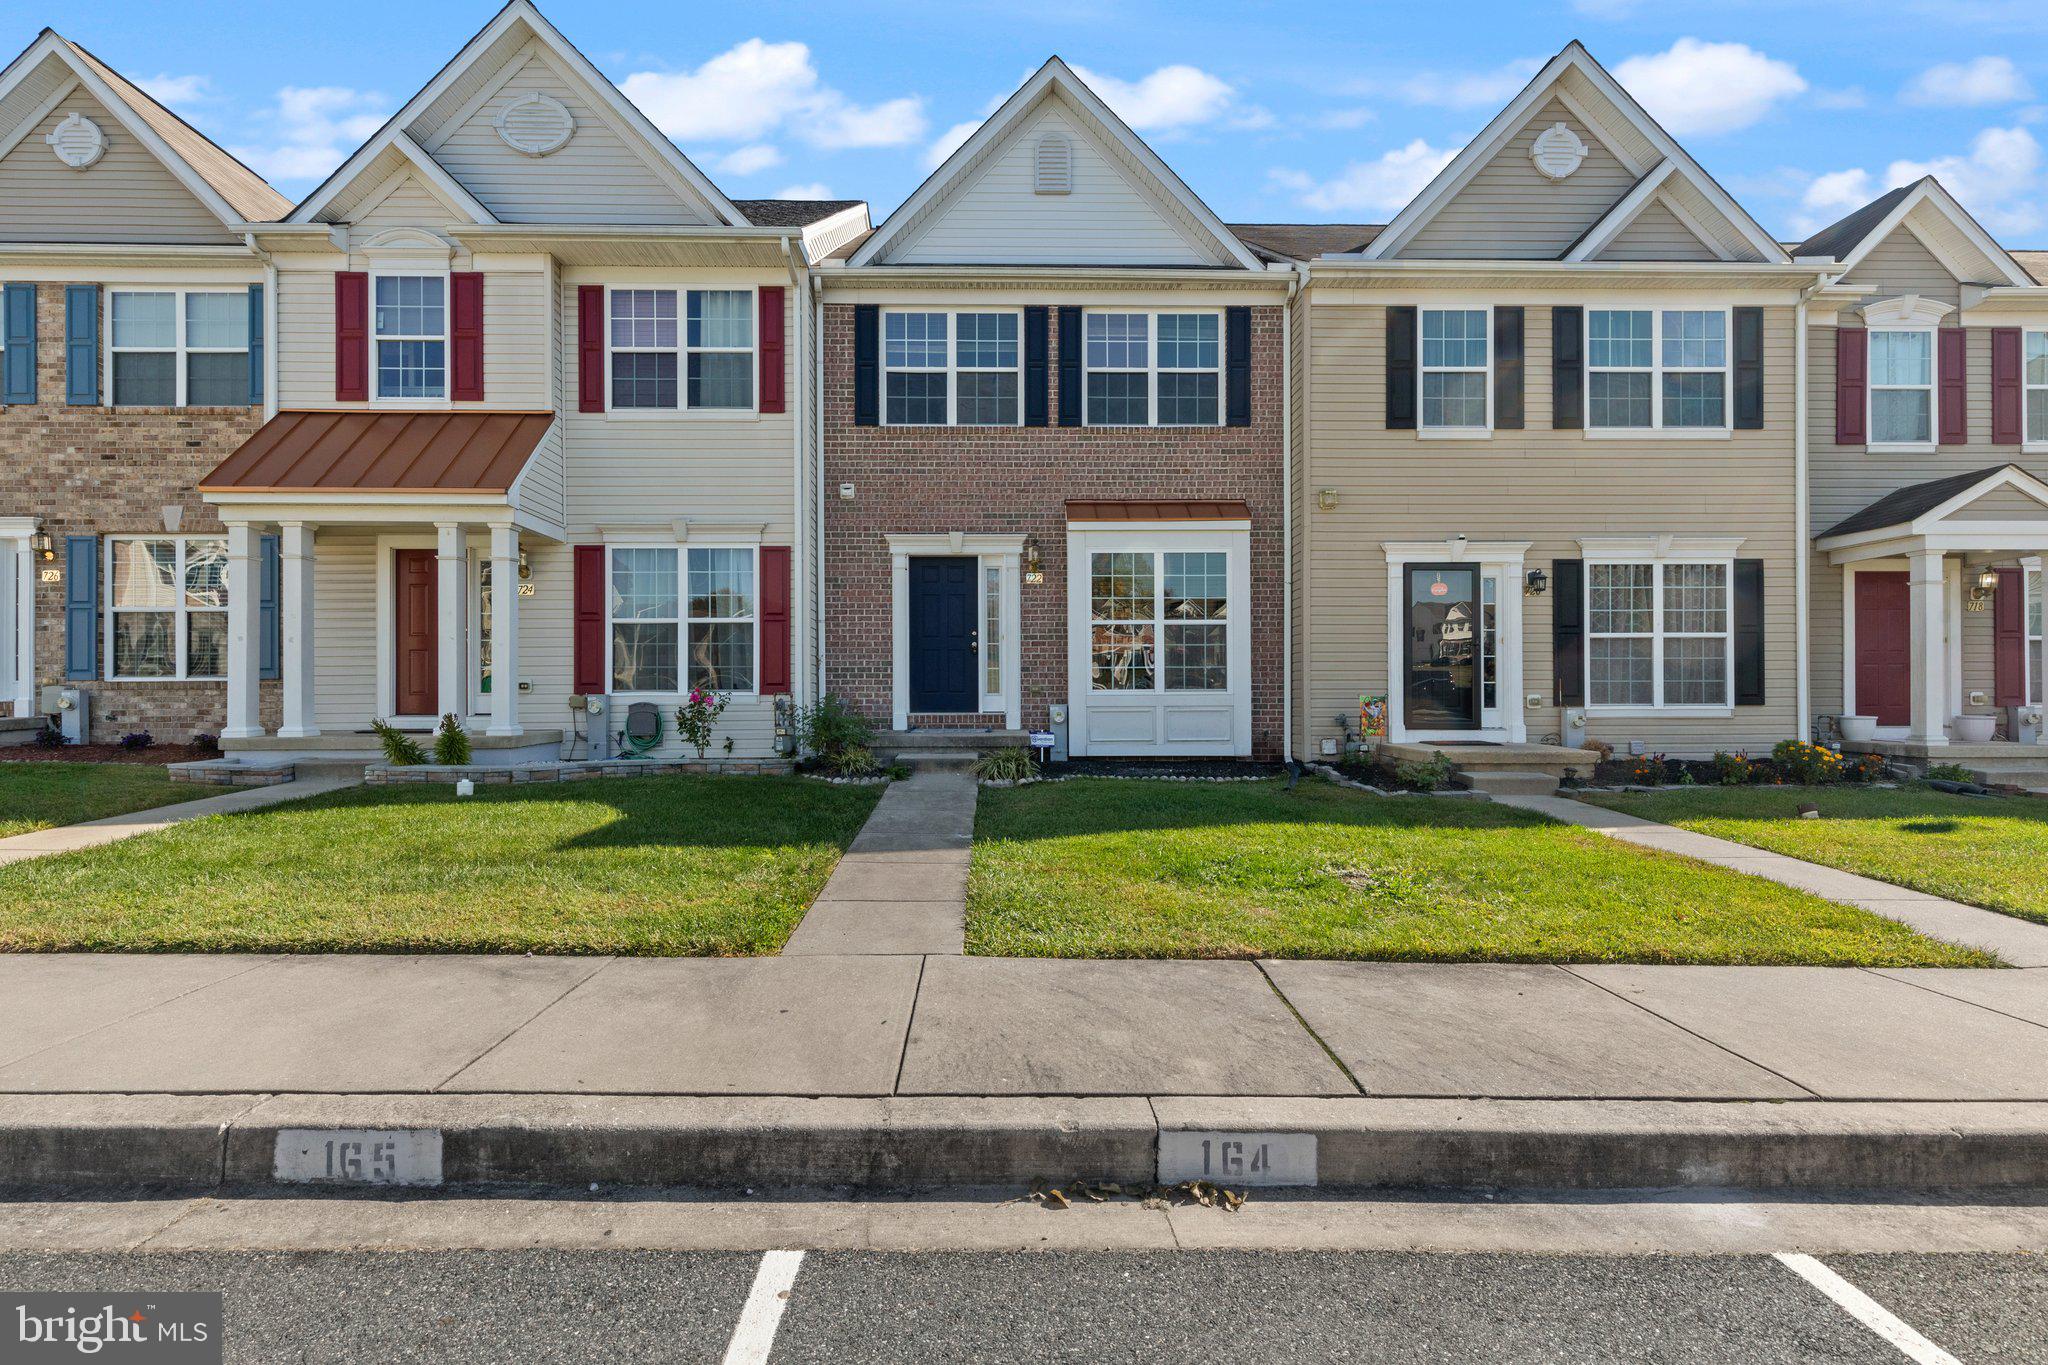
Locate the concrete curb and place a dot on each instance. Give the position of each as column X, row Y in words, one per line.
column 97, row 1141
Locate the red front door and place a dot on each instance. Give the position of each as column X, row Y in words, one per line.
column 1884, row 649
column 416, row 693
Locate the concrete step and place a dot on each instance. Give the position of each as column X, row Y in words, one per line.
column 19, row 730
column 905, row 741
column 2010, row 777
column 937, row 758
column 1524, row 782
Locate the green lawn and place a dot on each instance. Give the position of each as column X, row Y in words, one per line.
column 1989, row 851
column 1168, row 869
column 37, row 795
column 681, row 865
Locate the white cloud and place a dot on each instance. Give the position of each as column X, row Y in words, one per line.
column 1469, row 90
column 1987, row 80
column 1383, row 185
column 816, row 189
column 755, row 88
column 1829, row 197
column 949, row 142
column 1343, row 119
column 176, row 90
column 1699, row 87
column 750, row 160
column 1172, row 97
column 1999, row 179
column 312, row 129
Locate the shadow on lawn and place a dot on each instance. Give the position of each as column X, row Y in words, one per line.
column 1108, row 806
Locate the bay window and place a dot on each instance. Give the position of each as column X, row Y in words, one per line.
column 951, row 369
column 1153, row 369
column 1454, row 369
column 1658, row 635
column 1159, row 621
column 1656, row 368
column 676, row 349
column 1901, row 387
column 2034, row 376
column 167, row 607
column 410, row 326
column 682, row 618
column 178, row 348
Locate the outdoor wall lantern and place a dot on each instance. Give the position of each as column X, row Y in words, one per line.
column 1536, row 583
column 1982, row 590
column 525, row 565
column 1034, row 563
column 40, row 542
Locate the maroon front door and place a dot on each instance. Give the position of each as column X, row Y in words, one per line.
column 415, row 692
column 1884, row 649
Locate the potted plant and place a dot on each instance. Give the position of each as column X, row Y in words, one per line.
column 1975, row 729
column 1858, row 729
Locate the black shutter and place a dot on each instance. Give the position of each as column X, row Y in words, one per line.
column 1070, row 366
column 1749, row 632
column 1749, row 369
column 1401, row 368
column 1237, row 366
column 1507, row 369
column 1035, row 376
column 1568, row 631
column 867, row 365
column 1567, row 368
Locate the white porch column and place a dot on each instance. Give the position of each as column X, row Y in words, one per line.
column 19, row 612
column 245, row 660
column 451, row 565
column 1013, row 641
column 504, row 629
column 899, row 653
column 295, row 629
column 1928, row 595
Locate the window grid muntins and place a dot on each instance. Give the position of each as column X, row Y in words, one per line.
column 1454, row 368
column 1160, row 621
column 1153, row 369
column 411, row 326
column 2034, row 377
column 646, row 348
column 178, row 348
column 167, row 607
column 2034, row 669
column 719, row 331
column 1657, row 635
column 680, row 349
column 671, row 608
column 1195, row 610
column 1901, row 387
column 951, row 369
column 1654, row 369
column 1123, row 629
column 992, row 629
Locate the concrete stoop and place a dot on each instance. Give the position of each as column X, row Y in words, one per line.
column 939, row 746
column 1511, row 783
column 20, row 730
column 896, row 1144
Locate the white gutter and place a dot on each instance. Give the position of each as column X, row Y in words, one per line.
column 1802, row 593
column 1354, row 263
column 800, row 577
column 817, row 293
column 1287, row 514
column 984, row 274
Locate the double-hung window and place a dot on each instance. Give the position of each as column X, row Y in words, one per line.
column 1160, row 621
column 410, row 322
column 2034, row 376
column 1651, row 369
column 1901, row 387
column 1153, row 369
column 1657, row 635
column 951, row 369
column 167, row 607
column 676, row 349
column 1455, row 391
column 178, row 348
column 682, row 618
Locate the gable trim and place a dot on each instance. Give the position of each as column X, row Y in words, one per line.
column 2012, row 476
column 1924, row 192
column 9, row 141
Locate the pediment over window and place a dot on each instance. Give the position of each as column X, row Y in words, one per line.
column 1906, row 310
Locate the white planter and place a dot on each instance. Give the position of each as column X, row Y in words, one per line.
column 1975, row 729
column 1858, row 729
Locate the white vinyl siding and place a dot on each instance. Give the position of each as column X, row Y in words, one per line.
column 125, row 196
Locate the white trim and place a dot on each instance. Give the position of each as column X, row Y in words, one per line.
column 18, row 615
column 1423, row 370
column 177, row 610
column 1932, row 387
column 10, row 140
column 1657, row 370
column 377, row 338
column 1625, row 211
column 1929, row 525
column 1004, row 552
column 683, row 620
column 1153, row 370
column 1657, row 558
column 1929, row 190
column 682, row 351
column 1652, row 549
column 1502, row 560
column 1905, row 312
column 951, row 369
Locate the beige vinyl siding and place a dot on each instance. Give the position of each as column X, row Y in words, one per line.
column 345, row 629
column 596, row 178
column 1108, row 219
column 542, row 488
column 1547, row 487
column 1510, row 210
column 125, row 196
column 409, row 204
column 1657, row 235
column 516, row 339
column 1902, row 264
column 305, row 337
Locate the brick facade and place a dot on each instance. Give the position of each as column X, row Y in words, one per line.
column 1016, row 481
column 111, row 471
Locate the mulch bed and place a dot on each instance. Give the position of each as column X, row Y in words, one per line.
column 106, row 753
column 1212, row 769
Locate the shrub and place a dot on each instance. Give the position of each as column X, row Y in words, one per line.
column 206, row 742
column 696, row 717
column 899, row 772
column 827, row 730
column 1864, row 768
column 50, row 737
column 1733, row 770
column 137, row 739
column 1949, row 772
column 1809, row 764
column 1424, row 775
column 400, row 749
column 1644, row 770
column 1006, row 765
column 854, row 760
column 451, row 743
column 1600, row 747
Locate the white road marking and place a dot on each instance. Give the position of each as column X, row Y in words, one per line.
column 1866, row 1310
column 754, row 1335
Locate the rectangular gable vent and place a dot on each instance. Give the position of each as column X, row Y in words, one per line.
column 1053, row 166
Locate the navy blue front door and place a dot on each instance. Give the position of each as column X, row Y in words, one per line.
column 943, row 635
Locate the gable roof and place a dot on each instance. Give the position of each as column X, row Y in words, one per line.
column 793, row 212
column 1925, row 201
column 1053, row 77
column 232, row 191
column 1917, row 500
column 523, row 17
column 1645, row 141
column 1305, row 241
column 1845, row 234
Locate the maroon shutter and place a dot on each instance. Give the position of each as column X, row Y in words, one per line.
column 771, row 348
column 2005, row 386
column 1953, row 353
column 587, row 602
column 590, row 348
column 1852, row 381
column 466, row 317
column 2009, row 639
column 775, row 669
column 351, row 336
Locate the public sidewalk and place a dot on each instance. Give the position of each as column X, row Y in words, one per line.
column 92, row 833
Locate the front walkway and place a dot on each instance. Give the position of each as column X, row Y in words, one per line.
column 92, row 833
column 902, row 886
column 2018, row 941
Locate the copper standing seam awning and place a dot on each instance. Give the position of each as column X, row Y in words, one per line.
column 383, row 452
column 1159, row 510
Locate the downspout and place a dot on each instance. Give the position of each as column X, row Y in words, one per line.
column 270, row 346
column 1803, row 543
column 799, row 572
column 818, row 417
column 1287, row 515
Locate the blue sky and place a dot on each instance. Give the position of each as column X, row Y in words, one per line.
column 1297, row 112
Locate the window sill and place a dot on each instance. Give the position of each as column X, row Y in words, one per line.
column 675, row 415
column 1901, row 448
column 1659, row 434
column 1454, row 433
column 165, row 680
column 2035, row 448
column 1660, row 712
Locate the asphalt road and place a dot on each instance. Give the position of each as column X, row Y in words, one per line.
column 476, row 1306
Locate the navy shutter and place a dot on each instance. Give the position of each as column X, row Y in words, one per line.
column 1568, row 631
column 82, row 345
column 1567, row 368
column 1749, row 369
column 1237, row 361
column 269, row 634
column 81, row 608
column 1036, row 378
column 255, row 344
column 1749, row 632
column 1401, row 368
column 1507, row 369
column 18, row 319
column 867, row 368
column 1070, row 366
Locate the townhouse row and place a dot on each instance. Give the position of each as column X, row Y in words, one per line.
column 518, row 409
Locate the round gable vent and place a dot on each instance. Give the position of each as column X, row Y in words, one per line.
column 536, row 124
column 78, row 142
column 1557, row 151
